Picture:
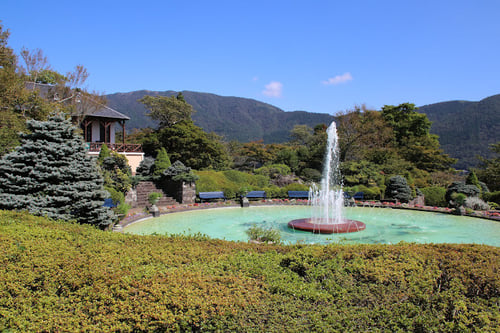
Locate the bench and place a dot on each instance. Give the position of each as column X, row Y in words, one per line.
column 109, row 203
column 211, row 195
column 358, row 196
column 256, row 194
column 298, row 194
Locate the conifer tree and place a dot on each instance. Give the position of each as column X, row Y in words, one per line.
column 51, row 175
column 162, row 162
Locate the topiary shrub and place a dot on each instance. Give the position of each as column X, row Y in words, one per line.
column 145, row 168
column 460, row 187
column 153, row 197
column 435, row 196
column 162, row 162
column 398, row 189
column 179, row 172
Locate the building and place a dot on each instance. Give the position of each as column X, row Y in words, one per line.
column 99, row 127
column 97, row 121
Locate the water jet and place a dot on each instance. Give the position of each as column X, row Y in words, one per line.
column 327, row 202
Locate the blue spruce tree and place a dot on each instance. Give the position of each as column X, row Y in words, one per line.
column 51, row 175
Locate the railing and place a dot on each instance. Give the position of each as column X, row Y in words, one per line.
column 118, row 147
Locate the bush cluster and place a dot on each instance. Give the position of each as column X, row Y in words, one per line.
column 70, row 277
column 235, row 183
column 435, row 196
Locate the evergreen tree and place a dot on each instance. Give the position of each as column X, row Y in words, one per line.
column 104, row 153
column 51, row 175
column 162, row 162
column 145, row 168
column 398, row 188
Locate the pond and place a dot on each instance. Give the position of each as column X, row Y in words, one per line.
column 383, row 225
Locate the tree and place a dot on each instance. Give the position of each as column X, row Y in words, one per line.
column 398, row 188
column 51, row 175
column 162, row 162
column 489, row 169
column 167, row 110
column 406, row 121
column 361, row 130
column 189, row 144
column 413, row 139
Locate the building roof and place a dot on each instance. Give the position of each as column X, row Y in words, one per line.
column 107, row 112
column 85, row 104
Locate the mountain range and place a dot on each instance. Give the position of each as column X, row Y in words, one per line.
column 233, row 118
column 465, row 128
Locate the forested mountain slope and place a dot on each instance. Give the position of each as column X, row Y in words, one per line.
column 234, row 118
column 466, row 129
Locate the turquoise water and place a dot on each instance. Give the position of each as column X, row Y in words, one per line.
column 383, row 225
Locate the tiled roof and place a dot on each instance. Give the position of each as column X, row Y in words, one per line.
column 107, row 112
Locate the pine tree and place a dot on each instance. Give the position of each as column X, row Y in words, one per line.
column 162, row 162
column 51, row 175
column 398, row 188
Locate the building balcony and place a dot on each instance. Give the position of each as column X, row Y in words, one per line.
column 118, row 147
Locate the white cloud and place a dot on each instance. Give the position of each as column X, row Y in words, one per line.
column 273, row 89
column 338, row 79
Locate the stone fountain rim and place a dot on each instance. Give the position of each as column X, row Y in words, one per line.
column 346, row 226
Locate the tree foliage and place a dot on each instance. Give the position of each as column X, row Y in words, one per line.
column 162, row 162
column 50, row 174
column 168, row 111
column 195, row 148
column 489, row 169
column 398, row 188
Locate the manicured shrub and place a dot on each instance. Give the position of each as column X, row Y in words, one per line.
column 179, row 172
column 162, row 162
column 492, row 196
column 117, row 196
column 145, row 168
column 461, row 187
column 435, row 196
column 64, row 277
column 153, row 197
column 274, row 170
column 398, row 188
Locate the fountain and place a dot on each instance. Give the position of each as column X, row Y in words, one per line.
column 327, row 203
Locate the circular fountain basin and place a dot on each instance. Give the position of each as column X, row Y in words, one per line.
column 343, row 227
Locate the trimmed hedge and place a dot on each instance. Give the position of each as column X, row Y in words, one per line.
column 435, row 196
column 59, row 276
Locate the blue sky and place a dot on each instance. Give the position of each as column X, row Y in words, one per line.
column 317, row 56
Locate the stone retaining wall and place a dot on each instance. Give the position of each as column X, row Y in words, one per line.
column 138, row 197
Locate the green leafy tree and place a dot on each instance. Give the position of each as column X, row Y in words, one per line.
column 17, row 104
column 51, row 175
column 168, row 111
column 162, row 162
column 197, row 149
column 489, row 169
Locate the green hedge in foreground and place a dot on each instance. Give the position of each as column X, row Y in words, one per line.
column 58, row 276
